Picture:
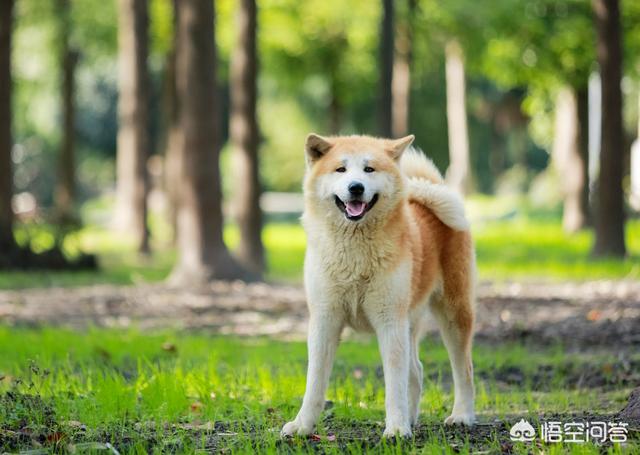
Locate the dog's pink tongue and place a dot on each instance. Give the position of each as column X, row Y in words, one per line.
column 355, row 208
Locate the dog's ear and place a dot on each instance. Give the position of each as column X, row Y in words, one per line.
column 315, row 147
column 396, row 147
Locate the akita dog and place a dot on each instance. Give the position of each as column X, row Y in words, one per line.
column 388, row 247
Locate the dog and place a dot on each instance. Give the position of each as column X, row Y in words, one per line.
column 388, row 249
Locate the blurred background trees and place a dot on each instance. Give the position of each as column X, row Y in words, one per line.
column 157, row 109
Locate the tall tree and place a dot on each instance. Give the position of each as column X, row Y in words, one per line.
column 569, row 155
column 386, row 68
column 245, row 138
column 133, row 120
column 609, row 220
column 202, row 254
column 7, row 242
column 171, row 118
column 65, row 191
column 401, row 79
column 458, row 172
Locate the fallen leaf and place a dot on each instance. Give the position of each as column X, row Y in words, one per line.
column 594, row 315
column 55, row 437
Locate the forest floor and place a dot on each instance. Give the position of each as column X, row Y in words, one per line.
column 581, row 315
column 220, row 369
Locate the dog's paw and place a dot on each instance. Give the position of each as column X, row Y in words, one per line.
column 467, row 419
column 295, row 428
column 397, row 431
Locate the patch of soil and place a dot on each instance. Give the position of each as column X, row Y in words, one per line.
column 632, row 409
column 27, row 421
column 579, row 315
column 616, row 374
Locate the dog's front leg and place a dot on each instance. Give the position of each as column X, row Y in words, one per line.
column 393, row 339
column 324, row 335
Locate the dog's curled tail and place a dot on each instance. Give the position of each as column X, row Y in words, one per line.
column 425, row 186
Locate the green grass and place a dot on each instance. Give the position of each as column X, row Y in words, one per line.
column 513, row 242
column 143, row 392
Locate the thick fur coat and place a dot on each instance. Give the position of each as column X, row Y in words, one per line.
column 388, row 248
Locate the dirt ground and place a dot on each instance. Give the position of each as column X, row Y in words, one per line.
column 580, row 315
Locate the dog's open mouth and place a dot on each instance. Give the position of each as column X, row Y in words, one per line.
column 354, row 210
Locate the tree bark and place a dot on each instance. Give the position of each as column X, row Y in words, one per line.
column 65, row 192
column 458, row 175
column 172, row 147
column 401, row 80
column 133, row 121
column 245, row 139
column 386, row 68
column 7, row 242
column 610, row 216
column 568, row 159
column 634, row 199
column 202, row 254
column 582, row 95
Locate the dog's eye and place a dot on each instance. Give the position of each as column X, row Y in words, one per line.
column 341, row 169
column 369, row 169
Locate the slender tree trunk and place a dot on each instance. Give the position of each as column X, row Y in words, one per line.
column 458, row 175
column 610, row 211
column 202, row 254
column 568, row 159
column 582, row 95
column 386, row 68
column 401, row 82
column 65, row 192
column 7, row 242
column 133, row 121
column 634, row 199
column 172, row 146
column 245, row 138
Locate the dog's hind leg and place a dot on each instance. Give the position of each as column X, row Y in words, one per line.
column 454, row 313
column 415, row 370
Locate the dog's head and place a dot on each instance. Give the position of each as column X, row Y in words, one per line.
column 354, row 178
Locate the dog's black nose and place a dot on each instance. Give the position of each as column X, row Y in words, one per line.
column 356, row 188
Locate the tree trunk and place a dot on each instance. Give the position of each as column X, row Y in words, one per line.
column 202, row 254
column 386, row 68
column 582, row 95
column 133, row 121
column 634, row 199
column 172, row 147
column 401, row 81
column 458, row 175
column 245, row 139
column 568, row 159
column 7, row 242
column 65, row 192
column 610, row 211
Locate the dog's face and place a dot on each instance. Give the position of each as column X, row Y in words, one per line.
column 353, row 178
